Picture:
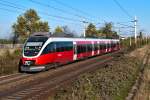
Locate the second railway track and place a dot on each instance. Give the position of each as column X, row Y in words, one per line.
column 34, row 86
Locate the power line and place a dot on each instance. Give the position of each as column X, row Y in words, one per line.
column 14, row 11
column 123, row 9
column 73, row 8
column 60, row 20
column 55, row 8
column 8, row 10
column 125, row 25
column 68, row 6
column 12, row 5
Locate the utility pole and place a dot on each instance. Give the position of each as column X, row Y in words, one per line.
column 135, row 29
column 130, row 41
column 84, row 33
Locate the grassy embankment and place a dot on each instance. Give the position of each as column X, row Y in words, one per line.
column 112, row 82
column 9, row 60
column 144, row 89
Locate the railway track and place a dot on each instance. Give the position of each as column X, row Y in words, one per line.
column 13, row 77
column 37, row 86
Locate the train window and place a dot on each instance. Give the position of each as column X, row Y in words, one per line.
column 78, row 49
column 95, row 47
column 49, row 48
column 68, row 46
column 34, row 45
column 81, row 48
column 89, row 47
column 100, row 46
column 84, row 48
column 60, row 47
column 109, row 45
column 112, row 45
column 64, row 46
column 103, row 46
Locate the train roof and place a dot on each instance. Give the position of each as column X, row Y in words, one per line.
column 79, row 39
column 51, row 38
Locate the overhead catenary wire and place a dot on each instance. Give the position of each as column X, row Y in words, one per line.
column 75, row 9
column 68, row 6
column 123, row 9
column 14, row 11
column 58, row 9
column 22, row 8
column 18, row 9
column 125, row 25
column 9, row 10
column 12, row 5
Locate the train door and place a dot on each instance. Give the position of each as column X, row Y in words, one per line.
column 92, row 48
column 105, row 47
column 110, row 46
column 59, row 56
column 75, row 51
column 98, row 52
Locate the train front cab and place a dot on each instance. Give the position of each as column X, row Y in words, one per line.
column 54, row 53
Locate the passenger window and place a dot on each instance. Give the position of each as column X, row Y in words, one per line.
column 59, row 47
column 50, row 48
column 64, row 46
column 95, row 47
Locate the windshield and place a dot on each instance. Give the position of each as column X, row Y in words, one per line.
column 34, row 45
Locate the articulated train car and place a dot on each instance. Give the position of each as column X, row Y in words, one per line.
column 42, row 52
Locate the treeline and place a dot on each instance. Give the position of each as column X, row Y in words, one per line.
column 30, row 22
column 105, row 32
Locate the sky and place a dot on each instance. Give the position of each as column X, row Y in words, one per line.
column 95, row 11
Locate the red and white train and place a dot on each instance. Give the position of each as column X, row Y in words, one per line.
column 41, row 52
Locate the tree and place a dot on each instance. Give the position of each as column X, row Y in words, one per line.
column 58, row 29
column 29, row 23
column 107, row 31
column 91, row 31
column 19, row 28
column 43, row 27
column 32, row 19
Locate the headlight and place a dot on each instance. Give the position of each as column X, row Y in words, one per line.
column 29, row 63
